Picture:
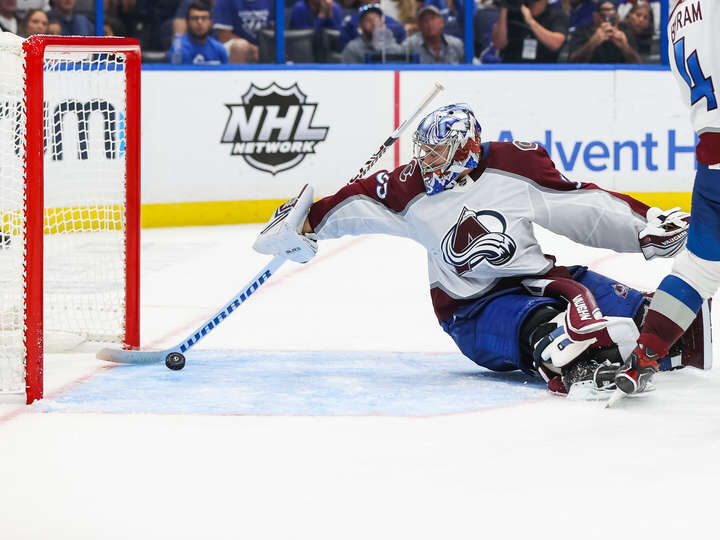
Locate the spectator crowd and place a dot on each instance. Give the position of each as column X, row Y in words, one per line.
column 359, row 31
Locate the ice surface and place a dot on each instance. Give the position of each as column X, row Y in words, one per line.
column 302, row 383
column 333, row 406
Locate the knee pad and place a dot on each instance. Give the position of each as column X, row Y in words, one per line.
column 702, row 275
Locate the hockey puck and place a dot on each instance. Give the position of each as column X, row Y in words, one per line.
column 175, row 361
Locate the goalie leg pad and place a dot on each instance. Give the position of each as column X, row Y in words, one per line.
column 561, row 349
column 489, row 331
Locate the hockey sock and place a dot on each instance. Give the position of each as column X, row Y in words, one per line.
column 672, row 310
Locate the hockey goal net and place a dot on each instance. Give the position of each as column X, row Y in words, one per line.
column 69, row 199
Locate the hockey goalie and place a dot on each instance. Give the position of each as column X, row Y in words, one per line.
column 505, row 303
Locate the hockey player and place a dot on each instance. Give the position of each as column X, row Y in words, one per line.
column 472, row 205
column 694, row 55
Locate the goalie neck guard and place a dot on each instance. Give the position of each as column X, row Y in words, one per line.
column 446, row 143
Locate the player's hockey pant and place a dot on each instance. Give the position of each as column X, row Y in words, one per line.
column 488, row 331
column 704, row 234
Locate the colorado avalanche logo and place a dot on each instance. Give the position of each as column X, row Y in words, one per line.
column 620, row 289
column 476, row 237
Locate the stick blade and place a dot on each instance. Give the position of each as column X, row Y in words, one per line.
column 617, row 396
column 120, row 356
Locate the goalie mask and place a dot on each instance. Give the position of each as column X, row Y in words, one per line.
column 446, row 143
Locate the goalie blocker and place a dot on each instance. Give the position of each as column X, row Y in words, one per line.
column 283, row 235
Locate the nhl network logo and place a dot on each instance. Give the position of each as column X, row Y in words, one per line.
column 272, row 128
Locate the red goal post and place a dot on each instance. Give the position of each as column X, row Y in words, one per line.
column 75, row 130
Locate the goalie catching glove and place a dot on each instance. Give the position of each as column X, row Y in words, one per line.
column 283, row 234
column 665, row 232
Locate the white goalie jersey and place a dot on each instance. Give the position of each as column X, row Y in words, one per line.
column 694, row 53
column 479, row 235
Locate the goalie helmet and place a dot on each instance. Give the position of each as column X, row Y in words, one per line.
column 446, row 143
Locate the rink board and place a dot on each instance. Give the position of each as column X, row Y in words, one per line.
column 302, row 383
column 625, row 130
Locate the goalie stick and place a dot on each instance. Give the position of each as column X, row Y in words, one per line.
column 174, row 356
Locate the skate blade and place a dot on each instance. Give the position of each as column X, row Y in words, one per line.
column 615, row 398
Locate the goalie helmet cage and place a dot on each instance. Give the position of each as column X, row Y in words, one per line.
column 75, row 220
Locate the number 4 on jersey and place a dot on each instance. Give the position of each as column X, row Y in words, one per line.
column 700, row 86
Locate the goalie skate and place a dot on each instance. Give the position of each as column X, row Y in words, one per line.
column 590, row 377
column 600, row 386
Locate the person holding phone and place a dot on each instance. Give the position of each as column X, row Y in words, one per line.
column 602, row 42
column 529, row 31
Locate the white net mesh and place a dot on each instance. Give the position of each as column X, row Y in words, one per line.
column 12, row 155
column 84, row 179
column 85, row 194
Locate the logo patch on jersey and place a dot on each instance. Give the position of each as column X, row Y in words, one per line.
column 525, row 146
column 272, row 128
column 408, row 171
column 477, row 237
column 620, row 289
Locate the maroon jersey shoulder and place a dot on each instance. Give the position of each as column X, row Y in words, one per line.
column 531, row 161
column 394, row 189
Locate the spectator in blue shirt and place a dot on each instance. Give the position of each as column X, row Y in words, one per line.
column 72, row 24
column 349, row 30
column 315, row 14
column 196, row 46
column 179, row 24
column 238, row 22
